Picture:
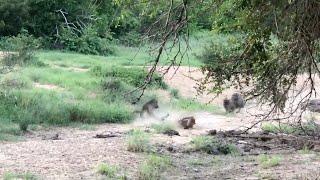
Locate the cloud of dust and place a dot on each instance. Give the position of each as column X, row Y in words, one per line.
column 160, row 113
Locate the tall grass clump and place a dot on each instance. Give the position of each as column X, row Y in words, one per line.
column 26, row 107
column 162, row 127
column 211, row 145
column 267, row 161
column 153, row 167
column 24, row 176
column 107, row 170
column 138, row 141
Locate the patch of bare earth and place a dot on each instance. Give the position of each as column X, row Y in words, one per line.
column 76, row 155
column 74, row 69
column 47, row 86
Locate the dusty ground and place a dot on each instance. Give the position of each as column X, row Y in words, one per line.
column 77, row 154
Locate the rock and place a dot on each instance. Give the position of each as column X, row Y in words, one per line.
column 171, row 132
column 212, row 132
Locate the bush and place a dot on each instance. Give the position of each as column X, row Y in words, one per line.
column 223, row 47
column 138, row 141
column 131, row 39
column 213, row 146
column 87, row 42
column 24, row 46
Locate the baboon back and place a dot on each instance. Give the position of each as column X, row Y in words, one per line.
column 237, row 100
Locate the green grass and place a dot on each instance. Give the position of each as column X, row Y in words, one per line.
column 162, row 127
column 97, row 94
column 211, row 145
column 278, row 128
column 267, row 161
column 153, row 167
column 74, row 97
column 128, row 56
column 9, row 131
column 174, row 93
column 193, row 105
column 108, row 170
column 305, row 150
column 138, row 141
column 197, row 162
column 15, row 176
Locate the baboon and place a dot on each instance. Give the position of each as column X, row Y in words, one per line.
column 187, row 122
column 228, row 105
column 149, row 107
column 236, row 102
column 314, row 105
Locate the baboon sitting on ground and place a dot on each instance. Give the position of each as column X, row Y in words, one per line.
column 236, row 102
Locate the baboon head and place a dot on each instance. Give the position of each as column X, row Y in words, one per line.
column 191, row 122
column 154, row 103
column 226, row 103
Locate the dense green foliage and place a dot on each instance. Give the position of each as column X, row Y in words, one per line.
column 86, row 26
column 279, row 40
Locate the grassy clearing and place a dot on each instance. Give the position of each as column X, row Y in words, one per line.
column 127, row 56
column 153, row 167
column 267, row 161
column 211, row 145
column 138, row 141
column 70, row 88
column 15, row 176
column 70, row 96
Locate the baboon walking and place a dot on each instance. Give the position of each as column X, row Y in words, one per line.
column 149, row 107
column 236, row 102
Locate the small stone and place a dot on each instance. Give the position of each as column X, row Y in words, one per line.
column 212, row 132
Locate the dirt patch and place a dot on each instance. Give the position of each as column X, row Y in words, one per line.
column 47, row 86
column 78, row 153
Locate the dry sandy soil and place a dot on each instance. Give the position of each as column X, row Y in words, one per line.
column 77, row 154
